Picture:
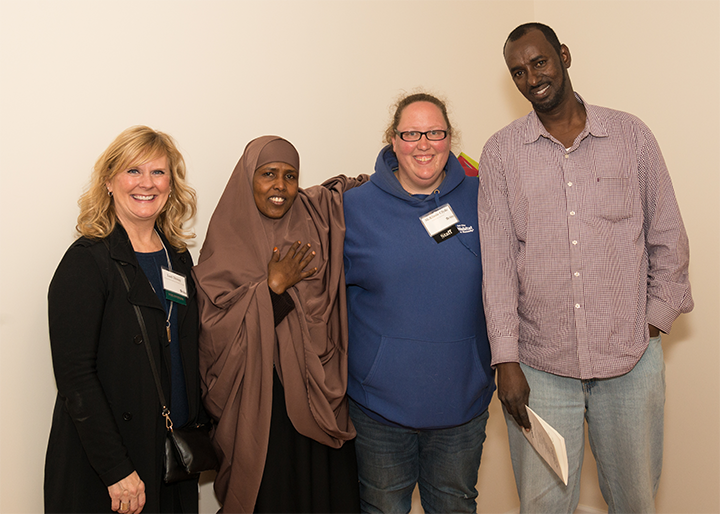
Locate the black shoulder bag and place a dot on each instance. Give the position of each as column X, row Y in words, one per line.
column 189, row 450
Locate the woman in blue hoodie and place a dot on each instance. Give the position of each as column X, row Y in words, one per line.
column 420, row 379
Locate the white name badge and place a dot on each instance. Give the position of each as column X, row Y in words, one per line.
column 175, row 286
column 441, row 223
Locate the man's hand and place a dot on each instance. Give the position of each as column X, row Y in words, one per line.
column 654, row 331
column 514, row 391
column 285, row 273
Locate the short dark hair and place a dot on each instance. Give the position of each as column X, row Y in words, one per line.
column 527, row 27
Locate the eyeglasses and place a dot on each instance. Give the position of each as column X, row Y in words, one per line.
column 412, row 136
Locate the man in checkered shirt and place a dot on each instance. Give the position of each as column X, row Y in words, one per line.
column 585, row 262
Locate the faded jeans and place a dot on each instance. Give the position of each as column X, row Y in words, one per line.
column 625, row 429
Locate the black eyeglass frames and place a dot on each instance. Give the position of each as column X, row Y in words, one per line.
column 412, row 136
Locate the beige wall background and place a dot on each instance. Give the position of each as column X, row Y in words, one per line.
column 217, row 73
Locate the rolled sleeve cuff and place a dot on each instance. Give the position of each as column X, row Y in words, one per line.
column 660, row 314
column 504, row 349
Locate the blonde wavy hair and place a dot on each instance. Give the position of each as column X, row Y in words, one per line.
column 133, row 147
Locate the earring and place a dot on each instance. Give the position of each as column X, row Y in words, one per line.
column 109, row 192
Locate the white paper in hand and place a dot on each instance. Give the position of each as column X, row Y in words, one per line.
column 548, row 443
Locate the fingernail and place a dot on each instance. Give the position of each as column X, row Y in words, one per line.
column 275, row 249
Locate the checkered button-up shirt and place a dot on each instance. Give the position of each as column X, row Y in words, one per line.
column 581, row 247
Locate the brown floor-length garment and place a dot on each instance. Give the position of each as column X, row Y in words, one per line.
column 238, row 343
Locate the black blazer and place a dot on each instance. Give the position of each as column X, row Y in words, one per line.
column 107, row 421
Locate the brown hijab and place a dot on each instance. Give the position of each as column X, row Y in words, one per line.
column 238, row 340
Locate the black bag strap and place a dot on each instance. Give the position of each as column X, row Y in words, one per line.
column 143, row 329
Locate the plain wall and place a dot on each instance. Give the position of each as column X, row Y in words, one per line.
column 215, row 74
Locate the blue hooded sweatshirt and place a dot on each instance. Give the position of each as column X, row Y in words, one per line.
column 418, row 351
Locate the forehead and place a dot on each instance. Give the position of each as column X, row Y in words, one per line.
column 156, row 160
column 528, row 48
column 422, row 113
column 275, row 166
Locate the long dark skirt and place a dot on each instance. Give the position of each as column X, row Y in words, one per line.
column 302, row 475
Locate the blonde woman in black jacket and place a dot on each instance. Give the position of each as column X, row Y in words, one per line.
column 107, row 437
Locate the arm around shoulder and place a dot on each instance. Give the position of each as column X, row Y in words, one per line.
column 341, row 183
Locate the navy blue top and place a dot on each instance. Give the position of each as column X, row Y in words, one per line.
column 151, row 264
column 418, row 352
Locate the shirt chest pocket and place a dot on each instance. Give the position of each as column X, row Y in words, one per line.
column 612, row 197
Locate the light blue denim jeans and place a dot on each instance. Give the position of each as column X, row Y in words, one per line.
column 625, row 429
column 391, row 460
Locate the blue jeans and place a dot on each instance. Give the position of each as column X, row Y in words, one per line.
column 625, row 429
column 443, row 462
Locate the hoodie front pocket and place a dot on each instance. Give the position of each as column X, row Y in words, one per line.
column 425, row 383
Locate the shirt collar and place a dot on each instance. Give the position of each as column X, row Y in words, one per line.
column 593, row 125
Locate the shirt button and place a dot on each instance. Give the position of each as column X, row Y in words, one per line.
column 576, row 274
column 574, row 242
column 569, row 184
column 127, row 416
column 577, row 305
column 572, row 213
column 567, row 156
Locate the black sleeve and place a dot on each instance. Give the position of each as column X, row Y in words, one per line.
column 282, row 305
column 76, row 301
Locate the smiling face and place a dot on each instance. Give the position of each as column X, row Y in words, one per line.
column 141, row 192
column 539, row 73
column 275, row 186
column 421, row 163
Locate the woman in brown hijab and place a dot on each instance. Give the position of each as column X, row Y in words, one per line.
column 273, row 343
